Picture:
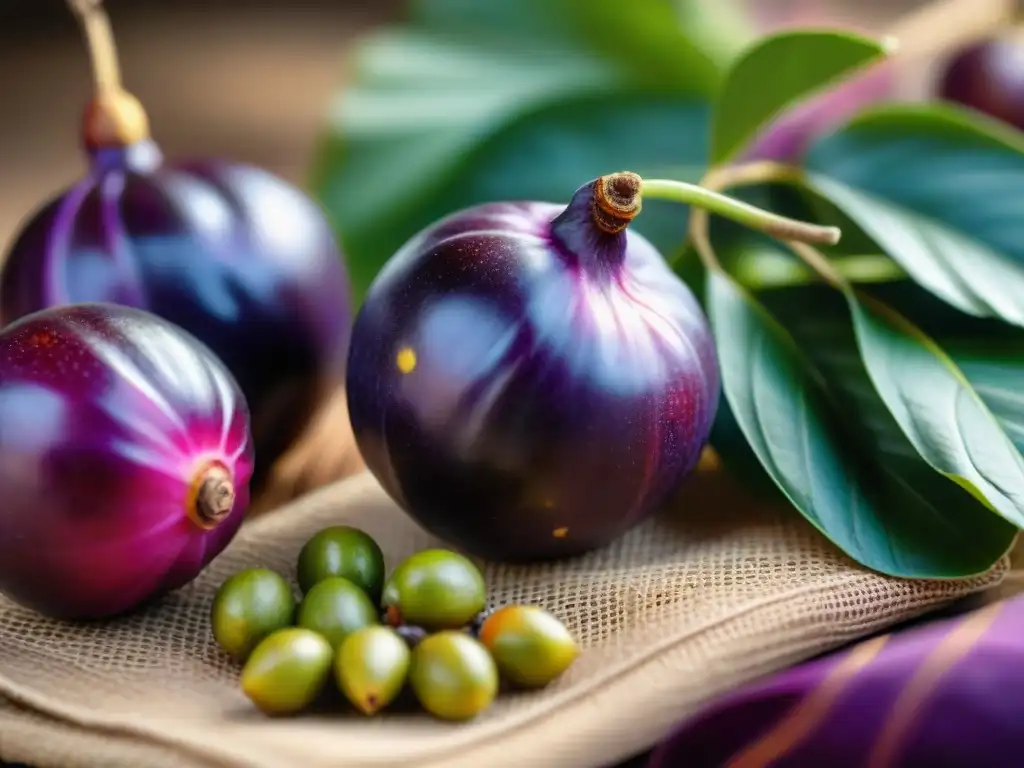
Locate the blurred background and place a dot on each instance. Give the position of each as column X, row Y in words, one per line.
column 249, row 79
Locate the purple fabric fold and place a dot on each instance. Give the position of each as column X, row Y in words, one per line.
column 944, row 694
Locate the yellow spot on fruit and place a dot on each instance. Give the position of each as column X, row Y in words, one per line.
column 406, row 360
column 560, row 533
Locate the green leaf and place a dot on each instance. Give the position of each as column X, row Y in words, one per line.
column 762, row 265
column 599, row 30
column 996, row 369
column 989, row 353
column 721, row 30
column 777, row 71
column 866, row 490
column 929, row 397
column 470, row 102
column 940, row 190
column 737, row 457
column 726, row 437
column 937, row 408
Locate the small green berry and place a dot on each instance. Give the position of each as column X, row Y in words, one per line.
column 435, row 589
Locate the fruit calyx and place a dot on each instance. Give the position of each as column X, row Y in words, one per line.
column 113, row 118
column 212, row 497
column 616, row 201
column 590, row 231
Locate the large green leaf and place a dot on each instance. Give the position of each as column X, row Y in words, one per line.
column 941, row 191
column 928, row 395
column 864, row 488
column 774, row 73
column 472, row 101
column 600, row 31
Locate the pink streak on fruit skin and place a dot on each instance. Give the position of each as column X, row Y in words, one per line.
column 107, row 416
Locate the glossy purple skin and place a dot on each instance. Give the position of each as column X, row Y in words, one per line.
column 565, row 380
column 232, row 254
column 988, row 76
column 107, row 417
column 948, row 693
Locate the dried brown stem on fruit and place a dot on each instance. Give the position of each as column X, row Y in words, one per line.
column 214, row 497
column 617, row 201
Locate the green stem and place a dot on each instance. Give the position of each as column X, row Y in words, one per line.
column 818, row 262
column 780, row 227
column 766, row 270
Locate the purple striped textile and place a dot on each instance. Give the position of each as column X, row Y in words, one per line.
column 940, row 695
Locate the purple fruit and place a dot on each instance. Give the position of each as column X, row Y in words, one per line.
column 125, row 459
column 988, row 76
column 231, row 253
column 529, row 380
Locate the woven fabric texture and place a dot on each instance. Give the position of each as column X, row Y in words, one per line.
column 713, row 592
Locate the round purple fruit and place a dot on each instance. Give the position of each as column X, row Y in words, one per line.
column 988, row 76
column 529, row 380
column 125, row 459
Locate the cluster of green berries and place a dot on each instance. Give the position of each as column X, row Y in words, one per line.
column 423, row 629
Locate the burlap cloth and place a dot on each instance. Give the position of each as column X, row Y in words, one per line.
column 717, row 590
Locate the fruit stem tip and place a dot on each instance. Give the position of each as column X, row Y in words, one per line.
column 890, row 45
column 617, row 200
column 114, row 117
column 215, row 497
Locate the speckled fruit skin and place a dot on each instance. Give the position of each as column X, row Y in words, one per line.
column 526, row 385
column 107, row 417
column 988, row 76
column 234, row 255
